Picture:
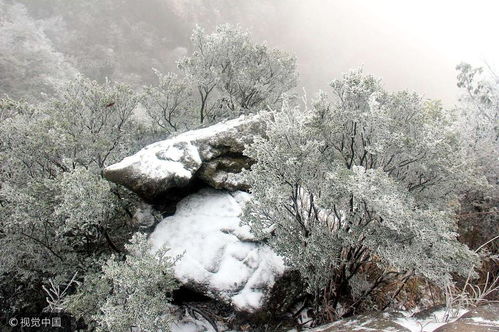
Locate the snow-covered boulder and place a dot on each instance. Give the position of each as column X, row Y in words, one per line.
column 484, row 318
column 434, row 319
column 376, row 321
column 219, row 256
column 213, row 154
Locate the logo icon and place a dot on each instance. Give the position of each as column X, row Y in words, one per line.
column 13, row 322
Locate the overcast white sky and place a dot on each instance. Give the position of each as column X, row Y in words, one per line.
column 412, row 45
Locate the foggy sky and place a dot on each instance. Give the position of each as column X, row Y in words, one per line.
column 412, row 45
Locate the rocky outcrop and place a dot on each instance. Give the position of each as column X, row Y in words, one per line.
column 225, row 172
column 377, row 321
column 213, row 155
column 481, row 319
column 199, row 174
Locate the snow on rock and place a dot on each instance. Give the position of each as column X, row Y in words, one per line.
column 215, row 151
column 482, row 318
column 376, row 321
column 437, row 319
column 430, row 322
column 219, row 256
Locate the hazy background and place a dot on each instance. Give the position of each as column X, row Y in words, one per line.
column 411, row 45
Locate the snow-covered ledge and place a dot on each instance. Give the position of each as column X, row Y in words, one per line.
column 214, row 154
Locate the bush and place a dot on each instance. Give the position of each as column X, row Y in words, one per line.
column 131, row 292
column 57, row 214
column 365, row 179
column 227, row 75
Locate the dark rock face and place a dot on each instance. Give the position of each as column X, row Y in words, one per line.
column 280, row 298
column 481, row 319
column 213, row 155
column 224, row 172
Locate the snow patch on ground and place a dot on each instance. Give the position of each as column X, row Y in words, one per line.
column 484, row 321
column 216, row 251
column 405, row 319
column 437, row 319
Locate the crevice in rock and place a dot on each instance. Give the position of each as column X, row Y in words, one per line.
column 185, row 295
column 166, row 203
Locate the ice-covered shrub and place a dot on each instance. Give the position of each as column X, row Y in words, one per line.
column 130, row 292
column 362, row 179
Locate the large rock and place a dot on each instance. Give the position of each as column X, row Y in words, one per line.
column 213, row 154
column 219, row 257
column 376, row 321
column 433, row 319
column 481, row 319
column 461, row 326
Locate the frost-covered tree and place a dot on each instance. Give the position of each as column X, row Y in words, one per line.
column 96, row 120
column 135, row 291
column 362, row 186
column 170, row 103
column 29, row 62
column 123, row 39
column 234, row 74
column 57, row 214
column 227, row 75
column 479, row 109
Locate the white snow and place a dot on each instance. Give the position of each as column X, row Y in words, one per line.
column 179, row 156
column 217, row 252
column 485, row 321
column 437, row 319
column 214, row 130
column 163, row 159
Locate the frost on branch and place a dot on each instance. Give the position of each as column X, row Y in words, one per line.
column 364, row 180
